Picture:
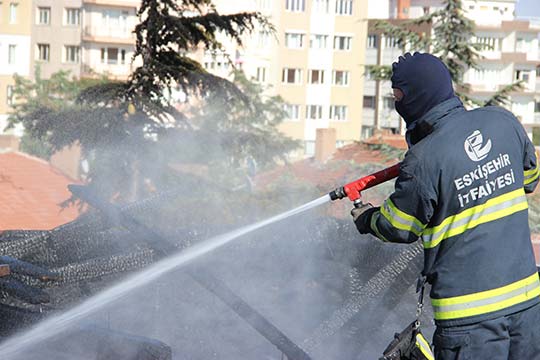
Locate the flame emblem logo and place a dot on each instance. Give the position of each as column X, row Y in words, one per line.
column 475, row 148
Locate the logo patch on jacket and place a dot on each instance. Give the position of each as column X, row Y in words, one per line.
column 475, row 147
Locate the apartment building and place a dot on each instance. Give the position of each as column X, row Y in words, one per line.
column 15, row 30
column 56, row 36
column 511, row 54
column 108, row 41
column 314, row 60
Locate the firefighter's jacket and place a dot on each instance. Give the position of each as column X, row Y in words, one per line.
column 461, row 190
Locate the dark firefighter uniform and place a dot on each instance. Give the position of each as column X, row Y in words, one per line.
column 461, row 190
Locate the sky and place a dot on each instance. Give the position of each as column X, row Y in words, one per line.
column 528, row 8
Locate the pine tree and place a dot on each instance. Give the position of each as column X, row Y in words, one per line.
column 130, row 131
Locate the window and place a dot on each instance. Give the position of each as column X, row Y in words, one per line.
column 12, row 51
column 309, row 147
column 294, row 40
column 537, row 106
column 522, row 75
column 292, row 76
column 367, row 132
column 471, row 7
column 261, row 74
column 72, row 54
column 123, row 59
column 426, row 10
column 338, row 112
column 44, row 52
column 538, row 71
column 340, row 78
column 13, row 13
column 342, row 42
column 489, row 43
column 344, row 7
column 264, row 4
column 44, row 16
column 112, row 56
column 263, row 39
column 389, row 103
column 316, row 77
column 295, row 5
column 369, row 102
column 317, row 41
column 391, row 42
column 72, row 16
column 372, row 42
column 9, row 95
column 293, row 111
column 314, row 112
column 321, row 6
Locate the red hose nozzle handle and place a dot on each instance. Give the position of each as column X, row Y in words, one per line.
column 352, row 190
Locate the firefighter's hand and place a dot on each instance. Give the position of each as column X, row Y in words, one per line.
column 362, row 217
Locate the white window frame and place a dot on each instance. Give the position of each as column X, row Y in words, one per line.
column 314, row 112
column 295, row 5
column 10, row 97
column 294, row 40
column 338, row 113
column 292, row 112
column 43, row 53
column 391, row 42
column 13, row 7
column 261, row 73
column 321, row 6
column 342, row 42
column 12, row 54
column 72, row 14
column 345, row 76
column 43, row 15
column 372, row 41
column 316, row 76
column 263, row 39
column 344, row 7
column 72, row 54
column 297, row 76
column 318, row 41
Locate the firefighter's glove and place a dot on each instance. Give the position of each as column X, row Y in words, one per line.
column 362, row 217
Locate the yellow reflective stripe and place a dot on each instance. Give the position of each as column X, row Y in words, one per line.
column 424, row 347
column 374, row 227
column 477, row 215
column 532, row 174
column 401, row 220
column 487, row 301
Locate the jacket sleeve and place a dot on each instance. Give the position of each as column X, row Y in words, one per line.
column 530, row 167
column 405, row 214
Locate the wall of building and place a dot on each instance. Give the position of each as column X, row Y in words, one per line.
column 62, row 36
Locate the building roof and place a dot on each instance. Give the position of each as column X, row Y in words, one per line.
column 31, row 191
column 339, row 165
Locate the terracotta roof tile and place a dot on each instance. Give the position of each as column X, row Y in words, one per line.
column 30, row 193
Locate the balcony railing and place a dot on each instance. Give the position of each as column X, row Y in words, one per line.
column 116, row 32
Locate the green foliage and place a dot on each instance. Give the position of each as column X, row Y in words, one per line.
column 131, row 132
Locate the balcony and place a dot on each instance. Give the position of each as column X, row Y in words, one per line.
column 116, row 3
column 109, row 35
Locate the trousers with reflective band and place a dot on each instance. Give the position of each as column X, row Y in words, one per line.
column 487, row 301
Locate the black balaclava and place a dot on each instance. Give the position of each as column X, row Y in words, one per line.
column 425, row 82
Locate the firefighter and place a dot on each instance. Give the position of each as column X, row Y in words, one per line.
column 461, row 190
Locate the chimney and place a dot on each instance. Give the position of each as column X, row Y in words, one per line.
column 325, row 144
column 9, row 143
column 403, row 8
column 68, row 161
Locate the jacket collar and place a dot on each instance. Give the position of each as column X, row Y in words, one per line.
column 424, row 126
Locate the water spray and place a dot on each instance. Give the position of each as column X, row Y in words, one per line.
column 353, row 189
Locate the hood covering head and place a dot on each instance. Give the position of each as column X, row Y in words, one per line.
column 425, row 82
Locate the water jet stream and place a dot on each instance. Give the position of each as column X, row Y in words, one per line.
column 58, row 323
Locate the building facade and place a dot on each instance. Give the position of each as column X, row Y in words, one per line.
column 314, row 61
column 15, row 31
column 108, row 41
column 511, row 54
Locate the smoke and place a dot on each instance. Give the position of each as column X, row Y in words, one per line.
column 298, row 273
